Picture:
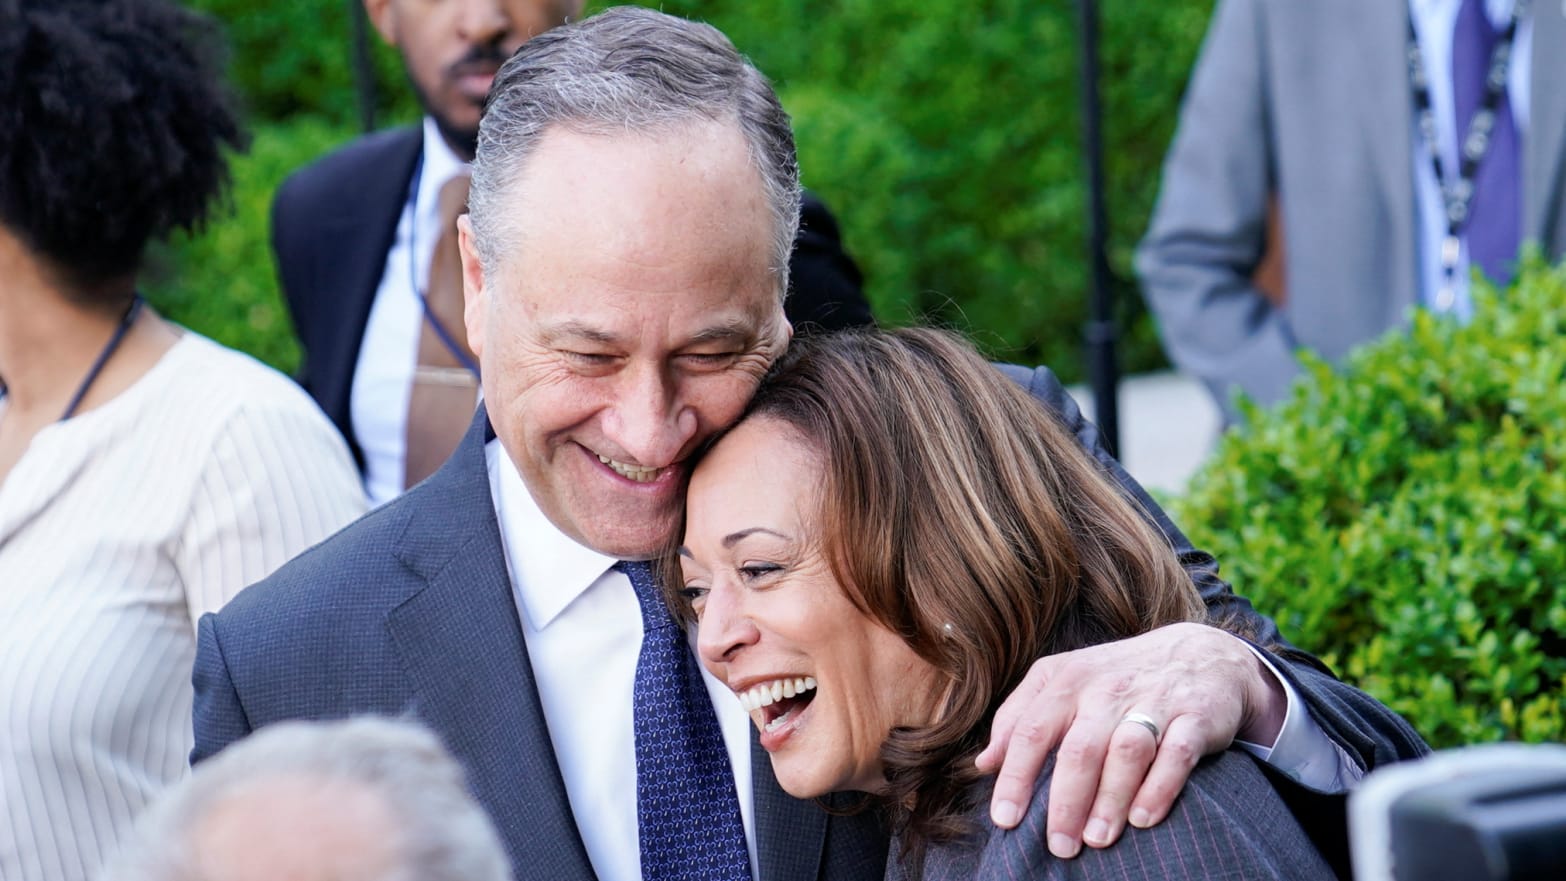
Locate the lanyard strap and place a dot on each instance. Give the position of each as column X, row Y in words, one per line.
column 1457, row 195
column 446, row 339
column 126, row 320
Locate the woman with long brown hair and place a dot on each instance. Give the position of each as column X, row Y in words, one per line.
column 878, row 552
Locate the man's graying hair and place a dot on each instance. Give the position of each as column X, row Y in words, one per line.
column 440, row 833
column 628, row 70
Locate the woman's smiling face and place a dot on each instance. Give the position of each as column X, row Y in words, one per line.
column 823, row 682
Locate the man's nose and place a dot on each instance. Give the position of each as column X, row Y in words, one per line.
column 482, row 21
column 650, row 420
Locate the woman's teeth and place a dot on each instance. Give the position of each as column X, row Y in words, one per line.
column 768, row 693
column 631, row 472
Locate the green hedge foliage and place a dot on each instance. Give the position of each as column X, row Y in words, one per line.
column 1405, row 516
column 944, row 135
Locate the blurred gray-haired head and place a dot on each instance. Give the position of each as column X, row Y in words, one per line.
column 360, row 800
column 628, row 70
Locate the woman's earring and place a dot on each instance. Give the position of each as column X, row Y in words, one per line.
column 947, row 630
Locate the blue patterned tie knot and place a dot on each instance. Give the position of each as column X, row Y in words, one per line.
column 686, row 809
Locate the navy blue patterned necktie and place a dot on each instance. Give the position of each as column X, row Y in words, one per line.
column 687, row 812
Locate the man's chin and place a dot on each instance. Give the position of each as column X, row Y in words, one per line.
column 636, row 528
column 463, row 141
column 627, row 545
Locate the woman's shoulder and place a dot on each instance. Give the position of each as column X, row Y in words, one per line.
column 208, row 369
column 1228, row 822
column 209, row 397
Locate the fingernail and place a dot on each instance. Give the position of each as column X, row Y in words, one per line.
column 1063, row 846
column 1006, row 814
column 1140, row 818
column 1097, row 832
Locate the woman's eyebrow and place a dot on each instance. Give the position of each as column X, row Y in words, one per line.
column 730, row 539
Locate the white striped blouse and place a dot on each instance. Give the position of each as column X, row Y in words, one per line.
column 118, row 529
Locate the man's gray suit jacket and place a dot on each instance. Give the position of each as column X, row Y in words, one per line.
column 1311, row 101
column 409, row 610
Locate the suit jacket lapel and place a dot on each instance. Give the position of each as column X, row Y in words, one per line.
column 790, row 833
column 365, row 225
column 462, row 648
column 1545, row 149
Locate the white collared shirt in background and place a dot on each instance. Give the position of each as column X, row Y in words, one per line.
column 383, row 374
column 583, row 626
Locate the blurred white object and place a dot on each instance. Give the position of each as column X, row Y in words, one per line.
column 1482, row 813
column 1168, row 425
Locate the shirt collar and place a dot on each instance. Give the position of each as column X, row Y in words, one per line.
column 441, row 164
column 1498, row 10
column 548, row 569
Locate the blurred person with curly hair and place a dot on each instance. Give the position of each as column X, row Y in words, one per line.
column 146, row 474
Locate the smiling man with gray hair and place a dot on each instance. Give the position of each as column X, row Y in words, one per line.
column 362, row 800
column 624, row 265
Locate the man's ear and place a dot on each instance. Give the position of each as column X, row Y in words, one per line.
column 383, row 15
column 473, row 304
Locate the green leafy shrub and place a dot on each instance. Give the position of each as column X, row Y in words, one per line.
column 1405, row 517
column 223, row 283
column 291, row 58
column 944, row 135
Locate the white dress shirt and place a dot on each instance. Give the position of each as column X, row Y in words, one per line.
column 1434, row 22
column 118, row 529
column 583, row 626
column 383, row 375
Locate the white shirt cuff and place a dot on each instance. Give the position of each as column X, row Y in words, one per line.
column 1303, row 752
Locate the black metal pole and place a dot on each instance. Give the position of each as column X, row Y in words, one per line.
column 363, row 64
column 1100, row 332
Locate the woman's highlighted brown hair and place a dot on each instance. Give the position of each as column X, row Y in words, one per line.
column 959, row 513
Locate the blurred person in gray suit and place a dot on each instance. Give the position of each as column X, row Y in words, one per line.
column 1307, row 135
column 366, row 799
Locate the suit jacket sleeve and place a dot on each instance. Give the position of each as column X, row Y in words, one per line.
column 1368, row 731
column 219, row 717
column 825, row 287
column 1227, row 823
column 1208, row 228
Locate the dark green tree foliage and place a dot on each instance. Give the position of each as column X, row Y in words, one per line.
column 944, row 135
column 1405, row 517
column 292, row 58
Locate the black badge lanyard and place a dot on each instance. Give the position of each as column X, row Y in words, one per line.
column 446, row 339
column 126, row 320
column 1457, row 195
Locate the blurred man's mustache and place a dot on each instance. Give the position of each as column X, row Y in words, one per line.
column 478, row 60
